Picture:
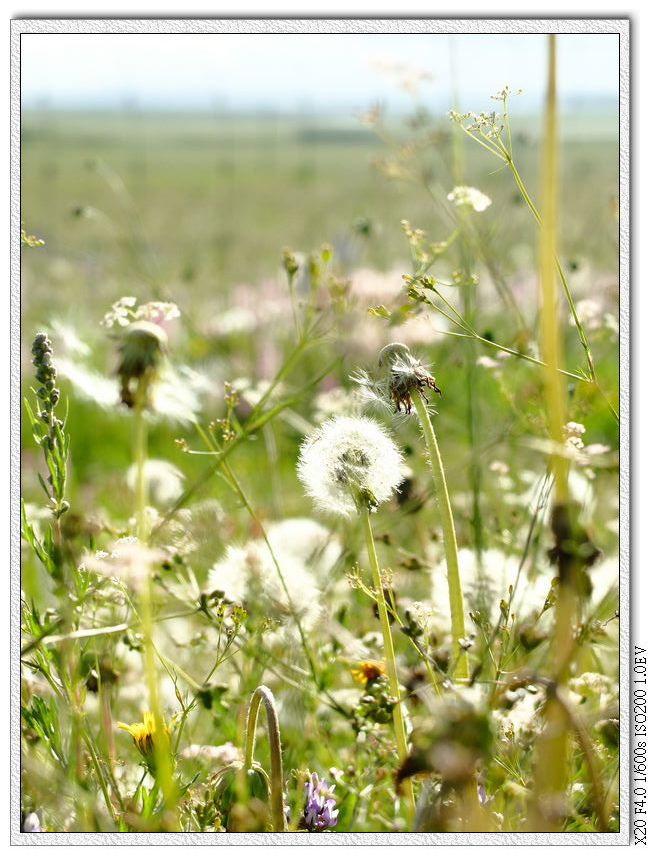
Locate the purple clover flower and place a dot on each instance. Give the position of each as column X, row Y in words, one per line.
column 319, row 812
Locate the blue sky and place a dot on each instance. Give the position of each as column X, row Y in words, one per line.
column 306, row 71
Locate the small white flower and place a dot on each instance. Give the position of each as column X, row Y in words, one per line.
column 573, row 433
column 469, row 196
column 349, row 463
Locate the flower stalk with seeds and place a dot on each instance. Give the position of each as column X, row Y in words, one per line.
column 349, row 466
column 407, row 379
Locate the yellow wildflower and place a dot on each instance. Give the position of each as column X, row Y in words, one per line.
column 144, row 734
column 368, row 671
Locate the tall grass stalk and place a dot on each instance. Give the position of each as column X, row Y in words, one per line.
column 552, row 756
column 389, row 653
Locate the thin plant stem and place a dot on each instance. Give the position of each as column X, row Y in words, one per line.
column 389, row 652
column 460, row 666
column 581, row 332
column 161, row 742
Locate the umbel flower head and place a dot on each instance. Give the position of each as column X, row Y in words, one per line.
column 350, row 463
column 469, row 196
column 319, row 812
column 405, row 374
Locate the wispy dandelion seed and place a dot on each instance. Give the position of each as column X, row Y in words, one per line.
column 349, row 463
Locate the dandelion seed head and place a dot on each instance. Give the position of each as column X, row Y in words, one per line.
column 348, row 463
column 312, row 544
column 163, row 479
column 248, row 575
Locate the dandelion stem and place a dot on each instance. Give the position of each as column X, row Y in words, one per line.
column 459, row 658
column 391, row 667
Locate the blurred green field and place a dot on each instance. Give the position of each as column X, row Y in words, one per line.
column 189, row 207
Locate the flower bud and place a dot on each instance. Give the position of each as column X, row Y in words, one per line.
column 235, row 787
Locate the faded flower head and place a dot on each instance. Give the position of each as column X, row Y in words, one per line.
column 350, row 463
column 405, row 374
column 142, row 349
column 469, row 196
column 319, row 812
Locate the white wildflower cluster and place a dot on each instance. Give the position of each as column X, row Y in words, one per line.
column 573, row 433
column 469, row 196
column 486, row 123
column 349, row 463
column 593, row 316
column 503, row 94
column 305, row 553
column 523, row 719
column 593, row 690
column 124, row 312
column 120, row 313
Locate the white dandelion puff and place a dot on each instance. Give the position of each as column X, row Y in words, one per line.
column 348, row 463
column 163, row 479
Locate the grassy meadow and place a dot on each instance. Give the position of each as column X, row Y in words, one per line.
column 176, row 563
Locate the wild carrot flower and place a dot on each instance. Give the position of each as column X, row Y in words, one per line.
column 350, row 463
column 469, row 196
column 319, row 812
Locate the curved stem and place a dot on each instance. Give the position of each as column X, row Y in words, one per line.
column 460, row 667
column 389, row 652
column 262, row 694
